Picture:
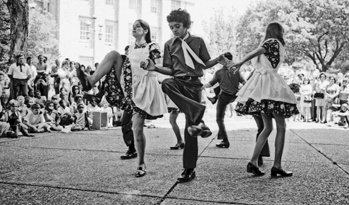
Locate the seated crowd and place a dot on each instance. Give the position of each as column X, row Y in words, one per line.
column 37, row 99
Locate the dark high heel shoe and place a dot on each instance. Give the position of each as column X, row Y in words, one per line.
column 223, row 144
column 141, row 171
column 177, row 146
column 275, row 171
column 253, row 169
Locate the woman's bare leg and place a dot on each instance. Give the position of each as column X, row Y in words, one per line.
column 280, row 139
column 262, row 138
column 112, row 60
column 138, row 124
column 173, row 122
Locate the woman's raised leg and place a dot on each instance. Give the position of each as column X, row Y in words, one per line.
column 112, row 60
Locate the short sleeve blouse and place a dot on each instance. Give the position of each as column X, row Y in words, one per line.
column 272, row 48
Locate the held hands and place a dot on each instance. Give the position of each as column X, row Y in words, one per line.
column 234, row 66
column 148, row 65
column 223, row 60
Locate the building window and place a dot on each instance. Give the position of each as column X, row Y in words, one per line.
column 154, row 6
column 154, row 34
column 109, row 33
column 109, row 2
column 84, row 31
column 133, row 4
column 131, row 39
column 175, row 5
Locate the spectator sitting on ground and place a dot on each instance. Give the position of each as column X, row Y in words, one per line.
column 39, row 99
column 74, row 92
column 52, row 117
column 81, row 119
column 35, row 120
column 22, row 108
column 93, row 107
column 342, row 115
column 77, row 100
column 63, row 108
column 14, row 118
column 64, row 96
column 55, row 100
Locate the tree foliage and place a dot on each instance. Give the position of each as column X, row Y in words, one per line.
column 4, row 35
column 221, row 31
column 42, row 39
column 18, row 10
column 316, row 30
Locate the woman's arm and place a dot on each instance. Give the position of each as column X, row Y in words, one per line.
column 258, row 51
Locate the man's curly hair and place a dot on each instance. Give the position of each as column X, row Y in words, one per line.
column 181, row 16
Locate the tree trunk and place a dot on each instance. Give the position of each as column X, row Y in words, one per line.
column 19, row 13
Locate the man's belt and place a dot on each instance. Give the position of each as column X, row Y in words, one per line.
column 187, row 77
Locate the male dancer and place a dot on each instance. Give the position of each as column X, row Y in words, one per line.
column 185, row 57
column 229, row 82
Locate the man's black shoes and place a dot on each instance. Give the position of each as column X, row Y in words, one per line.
column 187, row 176
column 129, row 155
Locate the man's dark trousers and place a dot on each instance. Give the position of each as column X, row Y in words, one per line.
column 186, row 94
column 127, row 132
column 223, row 101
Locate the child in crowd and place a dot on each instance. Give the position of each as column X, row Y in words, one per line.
column 41, row 100
column 35, row 120
column 63, row 107
column 81, row 119
column 93, row 107
column 106, row 108
column 30, row 102
column 14, row 118
column 52, row 117
column 65, row 112
column 22, row 108
column 342, row 115
column 55, row 100
column 77, row 100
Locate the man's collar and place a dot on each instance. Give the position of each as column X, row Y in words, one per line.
column 187, row 38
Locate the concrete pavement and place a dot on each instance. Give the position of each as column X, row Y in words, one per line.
column 85, row 168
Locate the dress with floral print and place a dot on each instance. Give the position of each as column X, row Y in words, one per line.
column 115, row 96
column 267, row 106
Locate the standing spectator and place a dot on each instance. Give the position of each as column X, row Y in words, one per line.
column 54, row 75
column 320, row 101
column 331, row 96
column 40, row 82
column 306, row 91
column 344, row 92
column 33, row 73
column 19, row 74
column 5, row 83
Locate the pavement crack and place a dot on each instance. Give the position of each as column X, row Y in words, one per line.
column 74, row 189
column 322, row 153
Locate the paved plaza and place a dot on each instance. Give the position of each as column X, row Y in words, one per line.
column 85, row 168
